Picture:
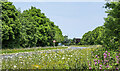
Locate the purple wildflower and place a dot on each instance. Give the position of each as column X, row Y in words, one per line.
column 96, row 55
column 102, row 60
column 94, row 60
column 98, row 61
column 90, row 68
column 105, row 54
column 106, row 60
column 107, row 66
column 117, row 62
column 100, row 65
column 106, row 51
column 100, row 68
column 117, row 56
column 95, row 63
column 89, row 64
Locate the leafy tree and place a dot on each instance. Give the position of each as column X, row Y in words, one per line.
column 94, row 37
column 11, row 26
column 98, row 35
column 86, row 38
column 66, row 41
column 112, row 24
column 30, row 28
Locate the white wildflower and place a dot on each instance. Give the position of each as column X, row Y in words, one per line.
column 15, row 66
column 20, row 57
column 63, row 58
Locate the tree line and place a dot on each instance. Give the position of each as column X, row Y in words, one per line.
column 29, row 28
column 108, row 34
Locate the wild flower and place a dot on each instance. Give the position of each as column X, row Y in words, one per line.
column 96, row 55
column 106, row 51
column 105, row 54
column 37, row 66
column 94, row 60
column 15, row 66
column 98, row 61
column 107, row 66
column 110, row 57
column 100, row 65
column 20, row 57
column 63, row 58
column 95, row 63
column 117, row 56
column 105, row 57
column 90, row 68
column 117, row 68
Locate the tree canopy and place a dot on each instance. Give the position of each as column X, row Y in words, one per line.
column 30, row 28
column 94, row 37
column 112, row 24
column 108, row 34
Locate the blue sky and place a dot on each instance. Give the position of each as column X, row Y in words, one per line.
column 73, row 18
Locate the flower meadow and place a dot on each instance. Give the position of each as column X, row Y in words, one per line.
column 108, row 60
column 87, row 58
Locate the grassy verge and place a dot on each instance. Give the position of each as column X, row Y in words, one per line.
column 85, row 46
column 66, row 59
column 8, row 51
column 88, row 58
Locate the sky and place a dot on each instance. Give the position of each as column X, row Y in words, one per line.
column 73, row 18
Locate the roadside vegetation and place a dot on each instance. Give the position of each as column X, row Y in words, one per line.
column 88, row 58
column 18, row 32
column 9, row 51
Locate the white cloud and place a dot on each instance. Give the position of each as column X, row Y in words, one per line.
column 56, row 0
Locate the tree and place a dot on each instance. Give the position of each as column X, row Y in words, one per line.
column 30, row 28
column 94, row 37
column 66, row 41
column 11, row 26
column 112, row 24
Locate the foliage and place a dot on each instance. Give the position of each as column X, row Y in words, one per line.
column 94, row 37
column 11, row 26
column 112, row 25
column 30, row 28
column 67, row 41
